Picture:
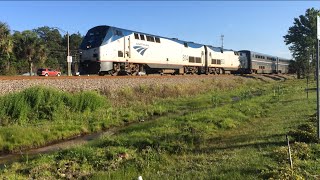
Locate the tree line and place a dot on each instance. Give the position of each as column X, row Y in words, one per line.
column 302, row 41
column 25, row 51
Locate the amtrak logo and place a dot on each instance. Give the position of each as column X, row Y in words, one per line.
column 140, row 49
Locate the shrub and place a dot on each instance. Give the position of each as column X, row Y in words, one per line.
column 305, row 133
column 227, row 123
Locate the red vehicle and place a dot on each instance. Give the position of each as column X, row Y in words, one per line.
column 48, row 72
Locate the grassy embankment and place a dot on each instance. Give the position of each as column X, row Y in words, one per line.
column 234, row 134
column 39, row 115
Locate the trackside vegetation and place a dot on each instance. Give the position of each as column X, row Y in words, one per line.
column 38, row 115
column 224, row 131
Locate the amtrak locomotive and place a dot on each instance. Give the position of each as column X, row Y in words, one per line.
column 112, row 50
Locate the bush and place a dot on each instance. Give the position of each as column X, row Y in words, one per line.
column 305, row 133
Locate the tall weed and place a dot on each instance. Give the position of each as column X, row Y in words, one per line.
column 41, row 103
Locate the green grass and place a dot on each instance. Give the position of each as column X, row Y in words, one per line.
column 48, row 115
column 234, row 134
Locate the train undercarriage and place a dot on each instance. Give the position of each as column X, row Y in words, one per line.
column 125, row 68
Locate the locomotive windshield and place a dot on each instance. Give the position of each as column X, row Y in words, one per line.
column 94, row 37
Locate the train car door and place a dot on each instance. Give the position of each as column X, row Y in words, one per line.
column 277, row 65
column 127, row 47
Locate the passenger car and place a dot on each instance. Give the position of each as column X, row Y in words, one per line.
column 48, row 72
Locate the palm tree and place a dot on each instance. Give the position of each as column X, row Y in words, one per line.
column 6, row 45
column 30, row 47
column 42, row 53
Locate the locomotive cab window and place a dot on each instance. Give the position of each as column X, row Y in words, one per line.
column 119, row 33
column 185, row 44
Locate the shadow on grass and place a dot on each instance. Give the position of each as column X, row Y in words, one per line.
column 247, row 171
column 253, row 77
column 274, row 77
column 244, row 141
column 282, row 77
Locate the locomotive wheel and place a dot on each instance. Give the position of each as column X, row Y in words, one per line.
column 114, row 73
column 220, row 71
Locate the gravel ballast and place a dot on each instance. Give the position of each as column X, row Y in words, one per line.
column 103, row 83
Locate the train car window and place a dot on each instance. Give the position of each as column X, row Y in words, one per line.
column 136, row 36
column 191, row 59
column 157, row 40
column 120, row 54
column 198, row 60
column 185, row 44
column 213, row 61
column 148, row 38
column 218, row 61
column 152, row 39
column 142, row 37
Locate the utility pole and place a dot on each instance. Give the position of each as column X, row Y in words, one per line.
column 69, row 58
column 222, row 36
column 318, row 97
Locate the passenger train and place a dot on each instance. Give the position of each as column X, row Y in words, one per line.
column 111, row 50
column 254, row 62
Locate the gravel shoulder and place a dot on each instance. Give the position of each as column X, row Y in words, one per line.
column 75, row 84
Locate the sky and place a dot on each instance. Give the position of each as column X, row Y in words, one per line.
column 246, row 25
